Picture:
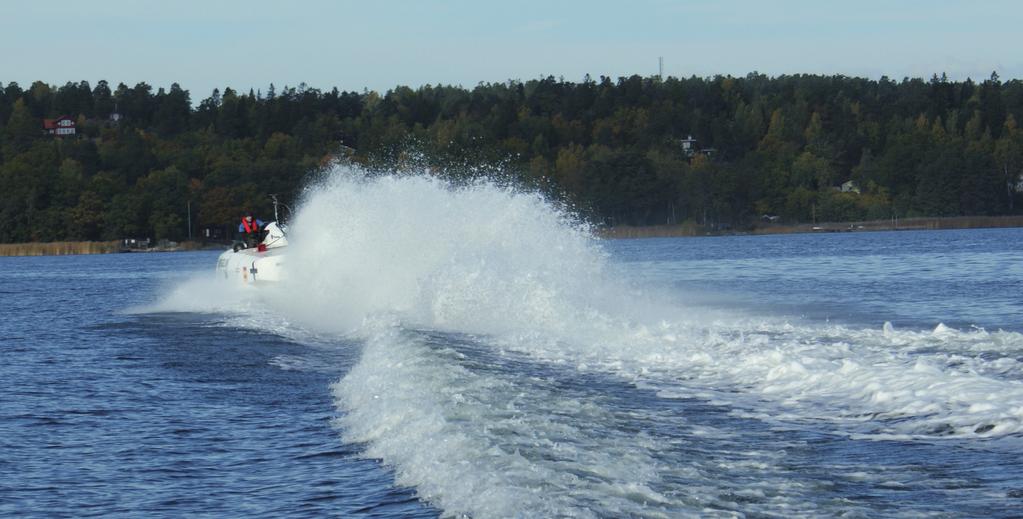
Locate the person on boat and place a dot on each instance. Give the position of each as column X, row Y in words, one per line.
column 250, row 230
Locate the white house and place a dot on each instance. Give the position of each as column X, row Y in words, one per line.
column 849, row 186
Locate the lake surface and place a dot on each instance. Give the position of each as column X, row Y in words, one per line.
column 855, row 374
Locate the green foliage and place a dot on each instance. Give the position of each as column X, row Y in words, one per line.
column 125, row 217
column 777, row 146
column 87, row 216
column 22, row 129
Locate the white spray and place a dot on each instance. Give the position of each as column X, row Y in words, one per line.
column 383, row 257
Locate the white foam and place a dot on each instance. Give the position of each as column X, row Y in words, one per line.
column 490, row 446
column 473, row 258
column 383, row 257
column 202, row 292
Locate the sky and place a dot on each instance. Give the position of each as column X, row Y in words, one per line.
column 381, row 44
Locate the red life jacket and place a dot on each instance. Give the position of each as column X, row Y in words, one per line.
column 250, row 227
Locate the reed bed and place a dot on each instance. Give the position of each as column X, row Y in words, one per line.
column 652, row 231
column 59, row 248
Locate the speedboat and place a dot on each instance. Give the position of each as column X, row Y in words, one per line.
column 259, row 264
column 262, row 263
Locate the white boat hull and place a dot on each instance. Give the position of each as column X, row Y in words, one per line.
column 249, row 266
column 264, row 263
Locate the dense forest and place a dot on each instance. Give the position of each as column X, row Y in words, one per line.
column 724, row 152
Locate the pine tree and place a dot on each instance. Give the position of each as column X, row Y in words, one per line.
column 22, row 130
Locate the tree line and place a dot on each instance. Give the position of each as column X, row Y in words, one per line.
column 143, row 162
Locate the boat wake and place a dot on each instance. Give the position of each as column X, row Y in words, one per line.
column 511, row 367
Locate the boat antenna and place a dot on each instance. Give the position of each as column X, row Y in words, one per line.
column 277, row 204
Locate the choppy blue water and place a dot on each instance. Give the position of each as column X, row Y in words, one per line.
column 918, row 279
column 165, row 414
column 765, row 383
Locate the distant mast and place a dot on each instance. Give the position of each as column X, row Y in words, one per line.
column 660, row 68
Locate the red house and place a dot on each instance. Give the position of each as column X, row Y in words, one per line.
column 60, row 126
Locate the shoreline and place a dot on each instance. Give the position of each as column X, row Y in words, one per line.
column 686, row 230
column 690, row 230
column 74, row 248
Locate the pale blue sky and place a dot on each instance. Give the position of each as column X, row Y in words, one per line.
column 377, row 45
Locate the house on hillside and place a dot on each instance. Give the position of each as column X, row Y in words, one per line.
column 60, row 127
column 849, row 186
column 691, row 148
